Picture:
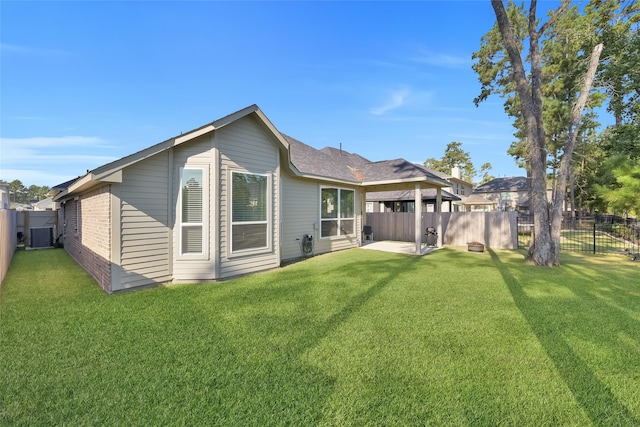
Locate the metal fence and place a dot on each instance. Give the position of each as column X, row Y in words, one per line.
column 597, row 235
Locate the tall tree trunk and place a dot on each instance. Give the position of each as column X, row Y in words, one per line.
column 541, row 249
column 572, row 135
column 544, row 250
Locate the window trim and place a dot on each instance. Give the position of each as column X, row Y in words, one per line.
column 205, row 214
column 338, row 210
column 268, row 221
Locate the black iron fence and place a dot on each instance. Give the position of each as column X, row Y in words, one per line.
column 597, row 234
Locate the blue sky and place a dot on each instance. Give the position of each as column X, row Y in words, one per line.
column 85, row 83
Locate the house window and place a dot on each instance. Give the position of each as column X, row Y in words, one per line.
column 192, row 212
column 337, row 212
column 249, row 207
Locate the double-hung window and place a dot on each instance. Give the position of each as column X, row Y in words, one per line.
column 192, row 211
column 249, row 211
column 337, row 212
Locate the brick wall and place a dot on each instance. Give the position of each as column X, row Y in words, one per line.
column 87, row 233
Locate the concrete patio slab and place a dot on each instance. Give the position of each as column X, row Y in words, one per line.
column 397, row 247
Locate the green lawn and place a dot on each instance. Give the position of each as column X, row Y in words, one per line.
column 351, row 338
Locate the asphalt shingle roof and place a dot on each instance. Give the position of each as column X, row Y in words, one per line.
column 513, row 183
column 340, row 164
column 308, row 160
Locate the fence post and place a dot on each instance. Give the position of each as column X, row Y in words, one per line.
column 594, row 237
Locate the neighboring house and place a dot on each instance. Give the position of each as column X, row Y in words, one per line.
column 501, row 194
column 479, row 203
column 232, row 197
column 461, row 188
column 43, row 205
column 404, row 201
column 453, row 196
column 21, row 206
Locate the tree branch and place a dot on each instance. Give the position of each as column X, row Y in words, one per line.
column 576, row 118
column 554, row 16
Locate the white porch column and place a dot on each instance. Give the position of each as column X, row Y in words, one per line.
column 363, row 214
column 439, row 215
column 418, row 221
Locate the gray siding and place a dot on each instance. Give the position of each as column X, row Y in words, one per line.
column 144, row 223
column 301, row 215
column 245, row 147
column 300, row 212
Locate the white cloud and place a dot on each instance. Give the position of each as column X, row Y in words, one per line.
column 396, row 100
column 53, row 142
column 441, row 59
column 27, row 50
column 51, row 160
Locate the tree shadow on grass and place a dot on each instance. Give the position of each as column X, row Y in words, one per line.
column 278, row 321
column 595, row 397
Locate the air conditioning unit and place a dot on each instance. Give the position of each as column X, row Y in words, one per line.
column 41, row 237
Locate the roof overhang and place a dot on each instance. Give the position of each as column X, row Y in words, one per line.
column 404, row 184
column 112, row 172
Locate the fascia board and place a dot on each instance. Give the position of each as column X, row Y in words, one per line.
column 110, row 176
column 193, row 134
column 431, row 182
column 61, row 195
column 325, row 179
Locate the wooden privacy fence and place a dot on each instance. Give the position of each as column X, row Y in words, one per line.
column 29, row 222
column 498, row 230
column 8, row 240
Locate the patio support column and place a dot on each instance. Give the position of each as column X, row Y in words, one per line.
column 439, row 215
column 363, row 214
column 418, row 218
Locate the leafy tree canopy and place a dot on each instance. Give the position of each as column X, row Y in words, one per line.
column 623, row 195
column 454, row 155
column 19, row 193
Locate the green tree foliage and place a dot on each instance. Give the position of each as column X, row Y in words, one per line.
column 569, row 38
column 535, row 92
column 618, row 24
column 623, row 196
column 485, row 170
column 563, row 55
column 455, row 155
column 21, row 194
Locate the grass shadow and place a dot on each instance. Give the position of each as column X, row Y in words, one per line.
column 595, row 397
column 274, row 319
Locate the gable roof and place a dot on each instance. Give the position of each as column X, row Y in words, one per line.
column 112, row 172
column 387, row 170
column 304, row 160
column 322, row 163
column 353, row 168
column 513, row 183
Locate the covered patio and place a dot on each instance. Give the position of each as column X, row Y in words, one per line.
column 401, row 175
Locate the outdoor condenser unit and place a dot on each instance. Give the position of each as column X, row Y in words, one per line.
column 41, row 237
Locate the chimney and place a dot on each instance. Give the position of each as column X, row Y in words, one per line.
column 455, row 172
